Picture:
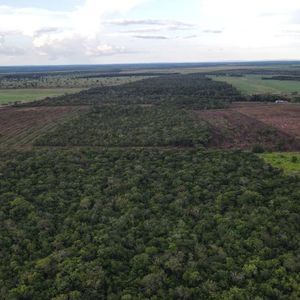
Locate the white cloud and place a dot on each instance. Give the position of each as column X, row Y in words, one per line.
column 150, row 37
column 249, row 23
column 9, row 44
column 71, row 33
column 168, row 23
column 104, row 49
column 103, row 28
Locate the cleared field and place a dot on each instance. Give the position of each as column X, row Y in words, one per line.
column 231, row 129
column 21, row 126
column 285, row 117
column 254, row 84
column 26, row 95
column 289, row 162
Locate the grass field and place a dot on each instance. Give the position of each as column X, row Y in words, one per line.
column 254, row 84
column 26, row 95
column 289, row 162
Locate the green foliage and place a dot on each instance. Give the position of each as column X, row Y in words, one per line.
column 129, row 126
column 66, row 80
column 288, row 161
column 193, row 90
column 143, row 223
column 9, row 96
column 258, row 149
column 255, row 84
column 147, row 224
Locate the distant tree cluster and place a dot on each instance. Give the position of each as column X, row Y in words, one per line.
column 280, row 72
column 283, row 77
column 267, row 97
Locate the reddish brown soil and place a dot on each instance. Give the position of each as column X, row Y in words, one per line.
column 231, row 129
column 285, row 117
column 21, row 126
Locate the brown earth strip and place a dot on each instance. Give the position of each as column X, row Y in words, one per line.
column 285, row 117
column 231, row 129
column 21, row 126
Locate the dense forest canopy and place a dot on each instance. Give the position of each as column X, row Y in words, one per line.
column 123, row 199
column 130, row 126
column 147, row 224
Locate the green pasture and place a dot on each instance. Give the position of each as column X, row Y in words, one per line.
column 8, row 96
column 254, row 84
column 289, row 162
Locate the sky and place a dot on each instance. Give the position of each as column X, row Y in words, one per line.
column 35, row 32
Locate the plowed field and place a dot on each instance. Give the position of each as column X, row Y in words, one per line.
column 244, row 126
column 21, row 126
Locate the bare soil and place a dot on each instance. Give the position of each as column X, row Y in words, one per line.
column 285, row 117
column 236, row 128
column 21, row 126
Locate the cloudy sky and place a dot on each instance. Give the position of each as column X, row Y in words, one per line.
column 129, row 31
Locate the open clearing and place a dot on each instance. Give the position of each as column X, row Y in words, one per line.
column 21, row 126
column 289, row 162
column 231, row 129
column 285, row 117
column 26, row 95
column 254, row 84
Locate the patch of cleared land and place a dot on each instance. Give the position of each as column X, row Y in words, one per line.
column 285, row 117
column 254, row 84
column 21, row 126
column 27, row 95
column 289, row 162
column 231, row 129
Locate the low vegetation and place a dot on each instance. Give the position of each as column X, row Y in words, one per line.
column 255, row 84
column 288, row 161
column 10, row 96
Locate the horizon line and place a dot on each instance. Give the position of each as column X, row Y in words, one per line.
column 158, row 62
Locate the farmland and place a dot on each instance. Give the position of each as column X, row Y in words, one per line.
column 284, row 117
column 27, row 86
column 8, row 96
column 231, row 129
column 254, row 84
column 21, row 126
